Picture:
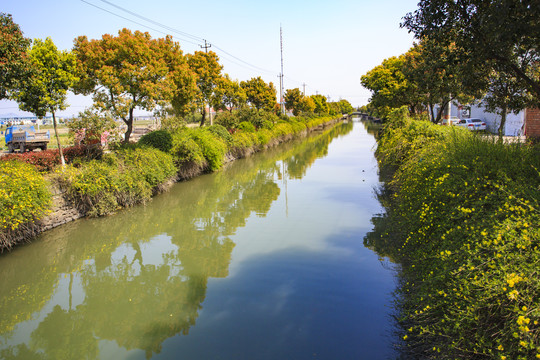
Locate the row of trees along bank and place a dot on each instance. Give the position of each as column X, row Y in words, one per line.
column 131, row 71
column 98, row 183
column 462, row 215
column 467, row 51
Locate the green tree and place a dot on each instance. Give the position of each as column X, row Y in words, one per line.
column 185, row 92
column 13, row 55
column 52, row 73
column 228, row 95
column 128, row 71
column 506, row 33
column 321, row 105
column 293, row 100
column 307, row 105
column 208, row 69
column 390, row 87
column 345, row 106
column 260, row 94
column 438, row 77
column 505, row 94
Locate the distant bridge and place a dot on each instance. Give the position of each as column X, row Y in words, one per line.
column 365, row 116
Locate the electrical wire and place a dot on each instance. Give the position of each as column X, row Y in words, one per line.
column 193, row 37
column 182, row 33
column 133, row 21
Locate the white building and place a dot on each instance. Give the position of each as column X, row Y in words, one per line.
column 514, row 122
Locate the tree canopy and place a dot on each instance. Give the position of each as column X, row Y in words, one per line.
column 293, row 100
column 228, row 94
column 52, row 73
column 13, row 57
column 506, row 33
column 390, row 86
column 208, row 69
column 127, row 71
column 260, row 94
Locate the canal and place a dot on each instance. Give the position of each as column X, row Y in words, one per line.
column 261, row 260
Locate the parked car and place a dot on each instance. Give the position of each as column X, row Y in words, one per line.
column 472, row 124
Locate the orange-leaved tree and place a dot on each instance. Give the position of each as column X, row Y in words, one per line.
column 128, row 71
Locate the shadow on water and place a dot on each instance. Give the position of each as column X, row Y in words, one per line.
column 139, row 277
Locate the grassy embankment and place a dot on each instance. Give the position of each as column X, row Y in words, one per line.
column 463, row 220
column 99, row 184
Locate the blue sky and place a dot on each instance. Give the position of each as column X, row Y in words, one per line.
column 327, row 45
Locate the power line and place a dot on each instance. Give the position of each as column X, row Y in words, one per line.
column 133, row 21
column 153, row 21
column 194, row 37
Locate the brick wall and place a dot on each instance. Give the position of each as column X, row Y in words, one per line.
column 532, row 123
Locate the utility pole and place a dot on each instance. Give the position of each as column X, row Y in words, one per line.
column 281, row 75
column 206, row 46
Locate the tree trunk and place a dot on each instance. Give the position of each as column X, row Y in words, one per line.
column 129, row 124
column 203, row 115
column 444, row 104
column 62, row 161
column 432, row 113
column 500, row 131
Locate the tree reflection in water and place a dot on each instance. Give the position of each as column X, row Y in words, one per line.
column 139, row 277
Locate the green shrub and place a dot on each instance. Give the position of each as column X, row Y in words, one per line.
column 463, row 226
column 186, row 150
column 264, row 136
column 152, row 165
column 159, row 139
column 244, row 140
column 24, row 197
column 212, row 147
column 123, row 179
column 220, row 132
column 227, row 119
column 246, row 126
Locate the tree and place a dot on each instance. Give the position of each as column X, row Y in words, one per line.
column 438, row 76
column 293, row 100
column 260, row 94
column 228, row 94
column 185, row 93
column 505, row 94
column 307, row 105
column 506, row 33
column 390, row 87
column 13, row 55
column 345, row 106
column 321, row 106
column 208, row 69
column 128, row 71
column 52, row 73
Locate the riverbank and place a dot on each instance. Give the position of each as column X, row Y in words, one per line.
column 462, row 215
column 103, row 184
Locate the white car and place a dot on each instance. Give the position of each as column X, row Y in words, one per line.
column 472, row 124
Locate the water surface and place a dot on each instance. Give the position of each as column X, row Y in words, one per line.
column 261, row 260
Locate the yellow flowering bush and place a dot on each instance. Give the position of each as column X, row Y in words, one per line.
column 463, row 222
column 24, row 198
